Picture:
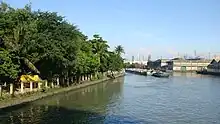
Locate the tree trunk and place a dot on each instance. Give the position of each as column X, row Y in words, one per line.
column 90, row 76
column 95, row 75
column 84, row 76
column 72, row 79
column 87, row 77
column 68, row 82
column 77, row 79
column 63, row 81
column 81, row 78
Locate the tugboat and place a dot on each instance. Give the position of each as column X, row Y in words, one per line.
column 161, row 74
column 150, row 72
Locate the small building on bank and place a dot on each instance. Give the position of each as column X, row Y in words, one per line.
column 187, row 65
column 214, row 66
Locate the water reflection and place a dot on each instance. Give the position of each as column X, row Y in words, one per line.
column 76, row 106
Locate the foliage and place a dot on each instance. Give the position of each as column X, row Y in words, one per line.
column 8, row 69
column 119, row 50
column 45, row 43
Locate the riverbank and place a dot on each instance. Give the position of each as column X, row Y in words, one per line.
column 18, row 100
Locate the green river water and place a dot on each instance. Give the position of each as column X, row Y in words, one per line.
column 184, row 98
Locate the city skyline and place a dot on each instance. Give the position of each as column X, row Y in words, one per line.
column 143, row 57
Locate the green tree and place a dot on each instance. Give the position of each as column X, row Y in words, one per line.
column 119, row 49
column 8, row 69
column 100, row 49
column 45, row 43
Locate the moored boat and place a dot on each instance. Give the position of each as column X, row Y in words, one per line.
column 161, row 74
column 150, row 72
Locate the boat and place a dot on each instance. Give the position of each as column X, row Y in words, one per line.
column 160, row 74
column 150, row 72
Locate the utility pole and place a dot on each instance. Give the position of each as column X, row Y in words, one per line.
column 195, row 53
column 209, row 55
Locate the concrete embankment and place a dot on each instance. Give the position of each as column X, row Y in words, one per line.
column 19, row 101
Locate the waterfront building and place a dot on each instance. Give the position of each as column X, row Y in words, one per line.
column 158, row 64
column 185, row 65
column 214, row 66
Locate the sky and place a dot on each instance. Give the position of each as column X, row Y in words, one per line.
column 161, row 28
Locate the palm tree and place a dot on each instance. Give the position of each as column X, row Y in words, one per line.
column 119, row 49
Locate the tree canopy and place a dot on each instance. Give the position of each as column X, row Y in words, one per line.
column 45, row 43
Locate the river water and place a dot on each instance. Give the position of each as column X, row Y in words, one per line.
column 181, row 99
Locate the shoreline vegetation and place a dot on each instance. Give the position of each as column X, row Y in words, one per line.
column 33, row 96
column 41, row 50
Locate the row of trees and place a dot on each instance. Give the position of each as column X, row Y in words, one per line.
column 44, row 43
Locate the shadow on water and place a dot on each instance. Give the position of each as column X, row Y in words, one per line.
column 61, row 115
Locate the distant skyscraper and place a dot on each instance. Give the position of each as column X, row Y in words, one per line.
column 195, row 53
column 149, row 58
column 132, row 59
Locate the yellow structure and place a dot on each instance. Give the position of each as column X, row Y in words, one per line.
column 29, row 79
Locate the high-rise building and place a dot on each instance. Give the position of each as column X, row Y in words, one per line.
column 132, row 60
column 149, row 58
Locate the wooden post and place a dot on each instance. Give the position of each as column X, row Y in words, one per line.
column 31, row 86
column 11, row 88
column 0, row 90
column 22, row 87
column 46, row 84
column 52, row 85
column 39, row 85
column 58, row 82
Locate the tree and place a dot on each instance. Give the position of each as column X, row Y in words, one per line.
column 119, row 49
column 8, row 69
column 115, row 62
column 44, row 43
column 100, row 49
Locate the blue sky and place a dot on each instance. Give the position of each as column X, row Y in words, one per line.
column 156, row 27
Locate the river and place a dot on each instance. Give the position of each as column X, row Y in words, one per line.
column 133, row 99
